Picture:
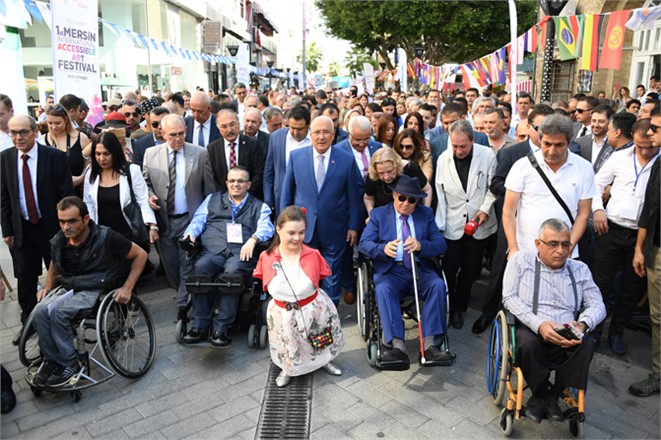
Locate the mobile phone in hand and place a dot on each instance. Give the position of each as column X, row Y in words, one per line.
column 569, row 332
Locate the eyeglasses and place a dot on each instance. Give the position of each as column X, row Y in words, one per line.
column 181, row 134
column 21, row 133
column 406, row 146
column 129, row 114
column 402, row 198
column 580, row 110
column 535, row 127
column 239, row 181
column 155, row 124
column 654, row 128
column 113, row 108
column 555, row 244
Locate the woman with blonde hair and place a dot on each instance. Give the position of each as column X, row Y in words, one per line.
column 63, row 136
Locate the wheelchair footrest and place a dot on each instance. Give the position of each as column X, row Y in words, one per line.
column 439, row 363
column 393, row 365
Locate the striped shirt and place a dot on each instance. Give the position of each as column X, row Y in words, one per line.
column 556, row 296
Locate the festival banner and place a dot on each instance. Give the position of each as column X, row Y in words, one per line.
column 530, row 44
column 611, row 52
column 368, row 72
column 402, row 68
column 568, row 33
column 643, row 18
column 543, row 26
column 591, row 32
column 74, row 36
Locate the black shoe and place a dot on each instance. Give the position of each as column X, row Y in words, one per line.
column 48, row 368
column 434, row 357
column 553, row 411
column 482, row 323
column 395, row 359
column 617, row 345
column 456, row 320
column 17, row 338
column 596, row 335
column 220, row 340
column 8, row 400
column 535, row 409
column 63, row 376
column 196, row 335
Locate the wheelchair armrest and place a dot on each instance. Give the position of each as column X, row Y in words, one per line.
column 510, row 318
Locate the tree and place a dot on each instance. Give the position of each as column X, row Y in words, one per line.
column 451, row 31
column 334, row 69
column 356, row 58
column 312, row 57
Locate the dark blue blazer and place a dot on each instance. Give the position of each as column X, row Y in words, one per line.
column 274, row 168
column 340, row 136
column 440, row 143
column 336, row 207
column 382, row 228
column 190, row 126
column 140, row 146
column 345, row 146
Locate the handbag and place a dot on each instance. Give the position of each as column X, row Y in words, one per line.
column 535, row 165
column 133, row 212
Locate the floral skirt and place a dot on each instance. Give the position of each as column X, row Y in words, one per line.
column 288, row 335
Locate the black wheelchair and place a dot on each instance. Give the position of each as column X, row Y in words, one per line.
column 369, row 321
column 503, row 374
column 251, row 309
column 124, row 335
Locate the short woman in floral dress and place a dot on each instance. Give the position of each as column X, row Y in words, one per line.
column 300, row 310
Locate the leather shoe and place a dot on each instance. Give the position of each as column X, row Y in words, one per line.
column 17, row 338
column 482, row 323
column 220, row 340
column 282, row 379
column 196, row 335
column 617, row 345
column 349, row 297
column 332, row 369
column 553, row 411
column 535, row 409
column 395, row 359
column 456, row 320
column 434, row 357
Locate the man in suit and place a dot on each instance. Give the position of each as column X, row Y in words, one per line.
column 273, row 119
column 201, row 128
column 593, row 144
column 451, row 113
column 333, row 111
column 152, row 139
column 325, row 181
column 583, row 114
column 240, row 93
column 178, row 182
column 34, row 178
column 394, row 232
column 252, row 120
column 281, row 143
column 234, row 149
column 462, row 182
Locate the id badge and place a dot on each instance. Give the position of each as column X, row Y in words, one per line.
column 234, row 233
column 631, row 210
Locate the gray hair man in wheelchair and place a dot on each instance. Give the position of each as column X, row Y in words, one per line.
column 395, row 232
column 556, row 303
column 87, row 260
column 230, row 224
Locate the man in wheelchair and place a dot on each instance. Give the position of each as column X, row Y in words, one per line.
column 393, row 232
column 556, row 303
column 230, row 225
column 86, row 261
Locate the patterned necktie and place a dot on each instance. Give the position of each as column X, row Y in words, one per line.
column 321, row 173
column 366, row 164
column 200, row 135
column 30, row 203
column 172, row 169
column 232, row 155
column 406, row 233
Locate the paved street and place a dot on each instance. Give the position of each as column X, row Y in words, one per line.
column 194, row 392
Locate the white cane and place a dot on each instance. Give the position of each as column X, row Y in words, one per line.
column 414, row 270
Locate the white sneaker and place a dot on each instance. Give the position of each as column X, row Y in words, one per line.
column 332, row 369
column 282, row 379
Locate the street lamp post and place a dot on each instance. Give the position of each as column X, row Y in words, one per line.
column 233, row 50
column 270, row 64
column 551, row 8
column 288, row 78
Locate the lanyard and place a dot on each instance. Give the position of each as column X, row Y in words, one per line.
column 635, row 169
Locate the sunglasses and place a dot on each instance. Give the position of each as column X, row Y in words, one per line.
column 129, row 114
column 407, row 146
column 411, row 200
column 654, row 128
column 580, row 110
column 155, row 124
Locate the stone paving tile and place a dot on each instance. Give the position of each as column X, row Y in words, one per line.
column 330, row 431
column 114, row 423
column 159, row 404
column 31, row 421
column 148, row 425
column 368, row 393
column 189, row 426
column 404, row 414
column 229, row 410
column 227, row 429
column 9, row 429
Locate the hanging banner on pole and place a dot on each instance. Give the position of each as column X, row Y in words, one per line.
column 243, row 65
column 368, row 72
column 402, row 70
column 75, row 40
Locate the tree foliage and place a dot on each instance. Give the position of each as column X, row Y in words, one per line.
column 356, row 58
column 312, row 57
column 451, row 31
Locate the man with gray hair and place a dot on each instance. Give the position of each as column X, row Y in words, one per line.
column 201, row 128
column 252, row 120
column 545, row 289
column 463, row 177
column 529, row 199
column 273, row 117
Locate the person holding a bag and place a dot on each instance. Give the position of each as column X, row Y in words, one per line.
column 115, row 193
column 304, row 326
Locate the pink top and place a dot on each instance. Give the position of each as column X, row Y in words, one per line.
column 311, row 261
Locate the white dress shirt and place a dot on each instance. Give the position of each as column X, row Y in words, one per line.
column 206, row 132
column 180, row 202
column 326, row 160
column 292, row 144
column 32, row 165
column 596, row 148
column 357, row 155
column 629, row 179
column 228, row 149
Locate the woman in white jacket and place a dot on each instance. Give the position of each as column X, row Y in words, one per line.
column 106, row 191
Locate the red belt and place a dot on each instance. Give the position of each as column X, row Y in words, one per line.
column 297, row 304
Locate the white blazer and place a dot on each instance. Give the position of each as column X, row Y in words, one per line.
column 91, row 193
column 456, row 206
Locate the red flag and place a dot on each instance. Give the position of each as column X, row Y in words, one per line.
column 542, row 30
column 611, row 52
column 464, row 77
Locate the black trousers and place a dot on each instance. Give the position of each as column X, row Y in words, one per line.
column 495, row 286
column 462, row 265
column 538, row 358
column 29, row 257
column 614, row 252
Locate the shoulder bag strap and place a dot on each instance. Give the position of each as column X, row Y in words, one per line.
column 573, row 286
column 127, row 170
column 535, row 165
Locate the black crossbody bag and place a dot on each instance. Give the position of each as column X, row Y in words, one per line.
column 535, row 165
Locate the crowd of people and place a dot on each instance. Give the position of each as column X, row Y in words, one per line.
column 465, row 175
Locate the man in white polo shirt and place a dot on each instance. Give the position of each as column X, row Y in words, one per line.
column 529, row 201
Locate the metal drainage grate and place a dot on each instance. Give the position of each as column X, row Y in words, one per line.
column 286, row 411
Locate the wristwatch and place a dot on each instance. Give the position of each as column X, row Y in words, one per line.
column 257, row 240
column 153, row 228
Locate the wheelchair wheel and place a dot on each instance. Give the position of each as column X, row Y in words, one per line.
column 576, row 428
column 498, row 359
column 506, row 422
column 263, row 336
column 371, row 353
column 362, row 306
column 251, row 335
column 179, row 331
column 127, row 335
column 28, row 345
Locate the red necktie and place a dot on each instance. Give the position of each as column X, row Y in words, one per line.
column 232, row 155
column 33, row 215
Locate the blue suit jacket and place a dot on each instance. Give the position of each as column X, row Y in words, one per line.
column 274, row 168
column 190, row 126
column 341, row 136
column 345, row 146
column 382, row 228
column 139, row 148
column 336, row 207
